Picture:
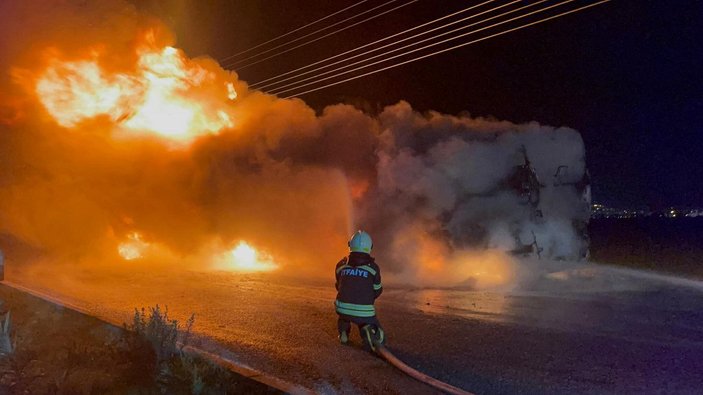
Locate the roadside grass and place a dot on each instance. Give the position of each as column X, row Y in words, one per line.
column 53, row 350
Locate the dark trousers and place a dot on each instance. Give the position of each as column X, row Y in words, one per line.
column 344, row 322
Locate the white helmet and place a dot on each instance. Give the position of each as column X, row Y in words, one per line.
column 360, row 242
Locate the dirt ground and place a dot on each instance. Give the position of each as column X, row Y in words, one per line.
column 61, row 351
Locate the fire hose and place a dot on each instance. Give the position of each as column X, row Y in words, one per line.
column 382, row 351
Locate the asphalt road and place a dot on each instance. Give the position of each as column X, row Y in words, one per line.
column 591, row 331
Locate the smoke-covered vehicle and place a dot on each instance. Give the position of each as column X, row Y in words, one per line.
column 450, row 188
column 527, row 186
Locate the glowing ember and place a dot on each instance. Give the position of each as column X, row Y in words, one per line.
column 155, row 98
column 231, row 93
column 244, row 258
column 134, row 248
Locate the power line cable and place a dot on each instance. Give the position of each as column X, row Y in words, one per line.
column 369, row 44
column 234, row 64
column 297, row 84
column 327, row 35
column 447, row 49
column 398, row 42
column 292, row 31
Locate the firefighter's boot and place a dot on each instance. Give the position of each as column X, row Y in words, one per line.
column 372, row 336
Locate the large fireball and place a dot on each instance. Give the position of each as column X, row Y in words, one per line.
column 156, row 97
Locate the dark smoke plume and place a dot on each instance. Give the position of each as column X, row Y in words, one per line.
column 448, row 199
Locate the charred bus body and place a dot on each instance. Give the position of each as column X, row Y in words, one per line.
column 488, row 185
column 525, row 183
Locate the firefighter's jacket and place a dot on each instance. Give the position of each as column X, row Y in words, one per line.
column 358, row 285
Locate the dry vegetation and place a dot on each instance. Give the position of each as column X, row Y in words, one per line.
column 53, row 350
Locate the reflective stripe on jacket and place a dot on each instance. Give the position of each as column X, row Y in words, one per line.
column 358, row 283
column 355, row 310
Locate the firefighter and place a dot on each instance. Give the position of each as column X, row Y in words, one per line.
column 358, row 283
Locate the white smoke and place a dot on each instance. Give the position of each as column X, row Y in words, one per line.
column 452, row 180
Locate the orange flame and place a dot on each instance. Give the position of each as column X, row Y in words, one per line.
column 155, row 98
column 437, row 263
column 245, row 258
column 134, row 248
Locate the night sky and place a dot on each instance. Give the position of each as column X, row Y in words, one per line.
column 626, row 74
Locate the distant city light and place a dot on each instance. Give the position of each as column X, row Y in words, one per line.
column 599, row 211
